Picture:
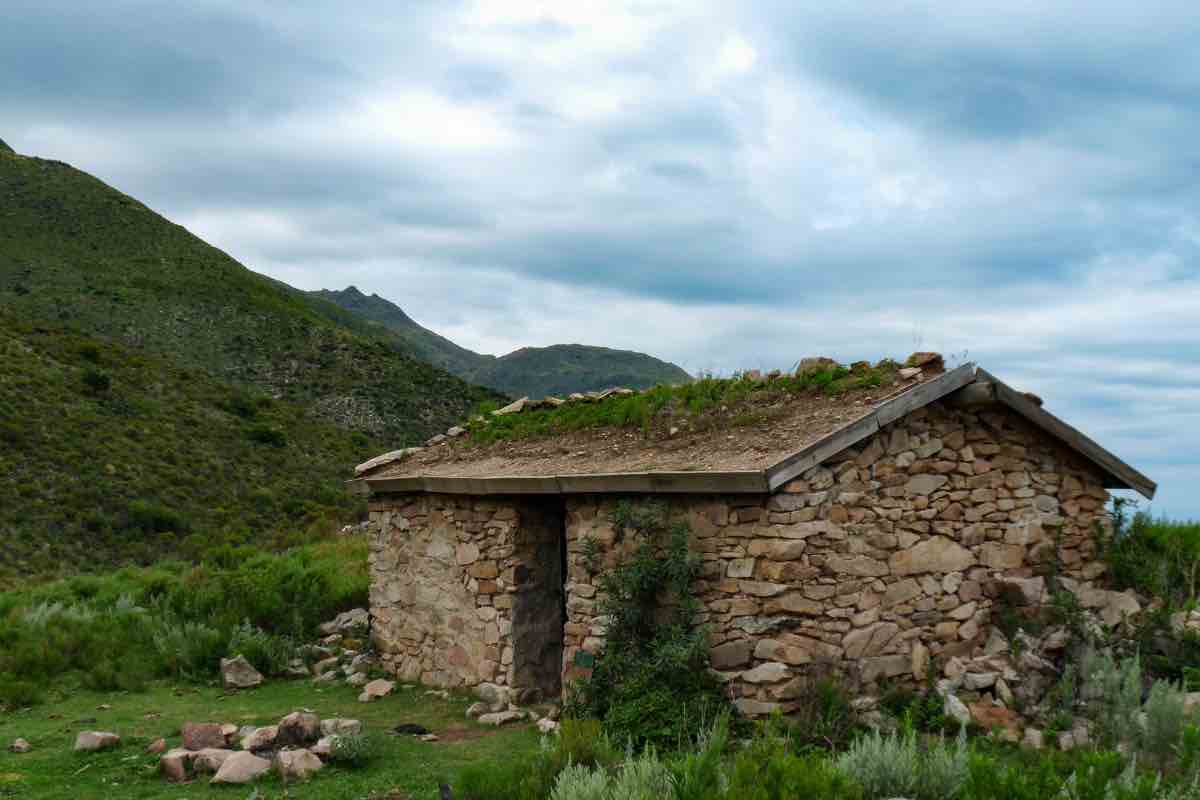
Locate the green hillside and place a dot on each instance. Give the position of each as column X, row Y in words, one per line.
column 530, row 371
column 152, row 388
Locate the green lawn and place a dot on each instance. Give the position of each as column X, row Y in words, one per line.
column 403, row 766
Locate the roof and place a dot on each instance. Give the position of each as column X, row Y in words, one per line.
column 798, row 435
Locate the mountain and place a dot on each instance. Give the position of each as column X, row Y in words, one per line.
column 530, row 371
column 156, row 394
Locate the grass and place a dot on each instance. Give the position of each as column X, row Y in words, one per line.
column 733, row 402
column 402, row 763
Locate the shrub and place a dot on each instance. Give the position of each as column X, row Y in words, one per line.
column 266, row 434
column 18, row 693
column 96, row 382
column 885, row 766
column 651, row 684
column 1164, row 722
column 698, row 772
column 352, row 749
column 578, row 782
column 268, row 652
column 767, row 770
column 642, row 778
column 1114, row 695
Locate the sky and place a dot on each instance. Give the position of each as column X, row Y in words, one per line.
column 725, row 185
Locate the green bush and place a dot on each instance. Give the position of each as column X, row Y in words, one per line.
column 119, row 630
column 652, row 683
column 352, row 749
column 767, row 770
column 895, row 765
column 270, row 653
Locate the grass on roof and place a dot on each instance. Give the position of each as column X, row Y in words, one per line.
column 705, row 402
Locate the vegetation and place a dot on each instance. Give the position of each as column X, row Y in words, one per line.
column 1157, row 557
column 153, row 390
column 706, row 402
column 529, row 372
column 398, row 766
column 652, row 683
column 172, row 620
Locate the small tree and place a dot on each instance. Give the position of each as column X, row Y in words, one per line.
column 652, row 683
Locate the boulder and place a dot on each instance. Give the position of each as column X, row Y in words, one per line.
column 19, row 745
column 989, row 717
column 296, row 764
column 476, row 710
column 93, row 741
column 260, row 739
column 496, row 697
column 238, row 673
column 199, row 735
column 297, row 729
column 242, row 768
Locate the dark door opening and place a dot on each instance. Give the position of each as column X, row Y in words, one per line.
column 539, row 606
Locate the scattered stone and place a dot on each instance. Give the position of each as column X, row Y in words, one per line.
column 296, row 764
column 94, row 741
column 242, row 767
column 104, row 707
column 908, row 373
column 357, row 619
column 175, row 764
column 210, row 759
column 199, row 735
column 341, row 727
column 19, row 746
column 456, row 431
column 1033, row 739
column 376, row 689
column 157, row 747
column 261, row 739
column 547, row 726
column 238, row 673
column 323, row 749
column 297, row 729
column 476, row 710
column 501, row 718
column 957, row 710
column 429, row 737
column 515, row 407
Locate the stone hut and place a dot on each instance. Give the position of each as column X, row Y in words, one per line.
column 867, row 533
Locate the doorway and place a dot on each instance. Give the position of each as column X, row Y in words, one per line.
column 539, row 607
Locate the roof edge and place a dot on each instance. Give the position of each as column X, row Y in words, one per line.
column 728, row 482
column 886, row 413
column 1123, row 475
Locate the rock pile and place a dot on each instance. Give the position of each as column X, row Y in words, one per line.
column 343, row 652
column 295, row 747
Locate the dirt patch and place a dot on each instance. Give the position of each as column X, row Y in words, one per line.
column 464, row 734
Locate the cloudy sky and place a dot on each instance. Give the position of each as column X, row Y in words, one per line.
column 726, row 185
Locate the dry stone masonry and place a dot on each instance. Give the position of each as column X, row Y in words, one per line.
column 879, row 550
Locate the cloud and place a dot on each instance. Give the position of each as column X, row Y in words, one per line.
column 724, row 185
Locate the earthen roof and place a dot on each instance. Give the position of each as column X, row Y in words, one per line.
column 784, row 437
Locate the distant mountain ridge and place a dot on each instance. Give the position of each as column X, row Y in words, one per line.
column 531, row 371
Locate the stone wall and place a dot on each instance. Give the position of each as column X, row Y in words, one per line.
column 871, row 564
column 441, row 567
